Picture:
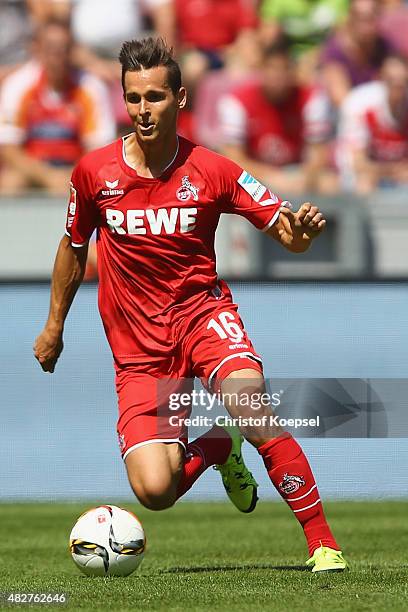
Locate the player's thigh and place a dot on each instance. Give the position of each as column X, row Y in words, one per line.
column 218, row 344
column 154, row 472
column 152, row 445
column 144, row 409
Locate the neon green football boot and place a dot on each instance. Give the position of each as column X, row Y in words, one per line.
column 325, row 559
column 240, row 485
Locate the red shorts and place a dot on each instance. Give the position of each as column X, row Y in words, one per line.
column 210, row 342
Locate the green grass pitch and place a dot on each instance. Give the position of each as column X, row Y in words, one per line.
column 207, row 556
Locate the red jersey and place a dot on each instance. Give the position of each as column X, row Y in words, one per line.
column 156, row 237
column 213, row 24
column 273, row 133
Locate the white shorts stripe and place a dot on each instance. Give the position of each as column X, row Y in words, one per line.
column 307, row 507
column 302, row 496
column 156, row 440
column 245, row 354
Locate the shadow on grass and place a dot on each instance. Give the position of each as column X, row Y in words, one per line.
column 234, row 568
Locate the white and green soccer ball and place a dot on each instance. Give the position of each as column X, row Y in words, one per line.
column 107, row 541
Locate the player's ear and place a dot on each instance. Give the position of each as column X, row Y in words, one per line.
column 182, row 97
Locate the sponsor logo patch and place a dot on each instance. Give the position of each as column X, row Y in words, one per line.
column 290, row 483
column 112, row 188
column 255, row 189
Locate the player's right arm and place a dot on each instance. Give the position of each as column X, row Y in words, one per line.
column 69, row 267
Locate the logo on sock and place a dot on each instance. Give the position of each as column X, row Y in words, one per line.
column 290, row 484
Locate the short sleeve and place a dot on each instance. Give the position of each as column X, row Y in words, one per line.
column 241, row 194
column 14, row 101
column 82, row 211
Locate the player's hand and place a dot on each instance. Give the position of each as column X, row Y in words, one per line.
column 309, row 220
column 47, row 349
column 296, row 230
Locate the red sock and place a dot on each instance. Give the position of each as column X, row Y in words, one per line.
column 211, row 448
column 292, row 476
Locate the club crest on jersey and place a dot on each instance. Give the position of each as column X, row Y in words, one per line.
column 112, row 188
column 187, row 190
column 290, row 484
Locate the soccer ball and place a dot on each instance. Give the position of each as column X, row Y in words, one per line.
column 107, row 541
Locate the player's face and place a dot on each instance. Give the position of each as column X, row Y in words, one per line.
column 151, row 104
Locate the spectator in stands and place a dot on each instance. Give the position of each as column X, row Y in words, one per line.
column 278, row 130
column 209, row 32
column 373, row 132
column 242, row 60
column 50, row 115
column 356, row 52
column 99, row 29
column 306, row 23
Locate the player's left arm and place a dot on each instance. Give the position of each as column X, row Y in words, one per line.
column 240, row 193
column 296, row 230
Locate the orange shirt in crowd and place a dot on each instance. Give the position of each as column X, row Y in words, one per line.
column 56, row 127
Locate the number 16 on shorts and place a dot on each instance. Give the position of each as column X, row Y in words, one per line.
column 228, row 327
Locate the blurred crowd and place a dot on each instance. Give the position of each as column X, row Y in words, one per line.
column 309, row 95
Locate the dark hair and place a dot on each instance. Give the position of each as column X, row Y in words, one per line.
column 281, row 47
column 149, row 53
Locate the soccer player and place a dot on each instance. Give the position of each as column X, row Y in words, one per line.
column 155, row 199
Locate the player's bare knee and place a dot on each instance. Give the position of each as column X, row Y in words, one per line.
column 154, row 498
column 157, row 494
